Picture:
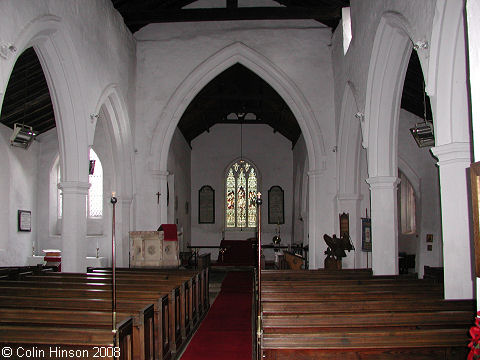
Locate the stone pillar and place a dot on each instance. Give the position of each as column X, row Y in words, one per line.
column 453, row 160
column 124, row 206
column 320, row 221
column 350, row 204
column 383, row 205
column 74, row 225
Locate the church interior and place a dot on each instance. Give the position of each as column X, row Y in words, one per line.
column 239, row 179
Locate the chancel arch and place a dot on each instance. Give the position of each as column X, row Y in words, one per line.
column 286, row 88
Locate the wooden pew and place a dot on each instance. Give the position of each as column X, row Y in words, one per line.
column 79, row 342
column 368, row 344
column 172, row 333
column 159, row 347
column 352, row 306
column 203, row 278
column 142, row 337
column 346, row 315
column 141, row 281
column 187, row 308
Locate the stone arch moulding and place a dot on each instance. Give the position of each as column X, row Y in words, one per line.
column 412, row 176
column 113, row 105
column 57, row 56
column 447, row 74
column 208, row 70
column 349, row 144
column 390, row 55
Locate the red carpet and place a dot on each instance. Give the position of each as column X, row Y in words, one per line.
column 226, row 332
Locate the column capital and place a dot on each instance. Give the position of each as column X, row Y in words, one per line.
column 383, row 182
column 315, row 173
column 455, row 152
column 349, row 197
column 74, row 187
column 160, row 173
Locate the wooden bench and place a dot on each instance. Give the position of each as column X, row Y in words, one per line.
column 172, row 331
column 189, row 310
column 202, row 275
column 160, row 346
column 142, row 337
column 80, row 342
column 345, row 315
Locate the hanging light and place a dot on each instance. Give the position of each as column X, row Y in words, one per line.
column 422, row 132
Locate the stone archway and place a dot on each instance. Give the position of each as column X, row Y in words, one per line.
column 112, row 105
column 447, row 87
column 54, row 49
column 390, row 55
column 257, row 63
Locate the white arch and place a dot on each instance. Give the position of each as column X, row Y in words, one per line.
column 390, row 56
column 52, row 45
column 121, row 137
column 349, row 144
column 207, row 71
column 49, row 37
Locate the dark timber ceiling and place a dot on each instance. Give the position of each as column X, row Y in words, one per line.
column 139, row 13
column 238, row 91
column 27, row 99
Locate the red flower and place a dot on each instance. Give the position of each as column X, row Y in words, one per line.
column 474, row 344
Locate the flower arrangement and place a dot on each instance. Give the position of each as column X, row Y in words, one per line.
column 474, row 344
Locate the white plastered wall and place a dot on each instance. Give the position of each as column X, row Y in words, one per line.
column 80, row 57
column 193, row 54
column 214, row 151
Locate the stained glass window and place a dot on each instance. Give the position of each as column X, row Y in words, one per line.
column 241, row 186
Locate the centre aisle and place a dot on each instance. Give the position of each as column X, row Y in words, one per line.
column 226, row 332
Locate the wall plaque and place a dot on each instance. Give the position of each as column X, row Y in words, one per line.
column 24, row 220
column 275, row 205
column 206, row 205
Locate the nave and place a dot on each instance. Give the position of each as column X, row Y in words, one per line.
column 168, row 314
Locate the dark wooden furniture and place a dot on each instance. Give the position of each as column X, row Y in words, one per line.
column 346, row 314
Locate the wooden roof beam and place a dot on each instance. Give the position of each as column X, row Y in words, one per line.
column 229, row 14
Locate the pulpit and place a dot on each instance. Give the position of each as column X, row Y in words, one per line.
column 154, row 248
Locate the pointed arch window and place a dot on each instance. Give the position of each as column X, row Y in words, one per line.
column 241, row 186
column 95, row 192
column 407, row 206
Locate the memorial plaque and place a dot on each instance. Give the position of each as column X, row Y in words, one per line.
column 275, row 205
column 206, row 205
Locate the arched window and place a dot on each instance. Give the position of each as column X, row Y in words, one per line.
column 241, row 186
column 407, row 206
column 59, row 191
column 95, row 192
